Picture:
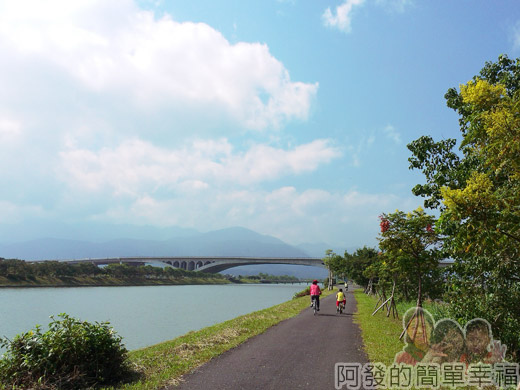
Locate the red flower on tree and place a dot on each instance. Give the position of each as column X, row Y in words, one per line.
column 385, row 224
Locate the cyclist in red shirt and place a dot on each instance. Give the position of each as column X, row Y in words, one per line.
column 315, row 294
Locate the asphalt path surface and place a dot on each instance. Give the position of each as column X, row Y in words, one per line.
column 298, row 353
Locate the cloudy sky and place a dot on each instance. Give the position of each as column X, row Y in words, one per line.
column 288, row 117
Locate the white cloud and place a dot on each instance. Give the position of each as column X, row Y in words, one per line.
column 357, row 151
column 393, row 134
column 136, row 165
column 193, row 185
column 13, row 213
column 10, row 129
column 341, row 18
column 396, row 5
column 115, row 47
column 313, row 215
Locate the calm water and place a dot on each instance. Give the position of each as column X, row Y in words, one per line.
column 142, row 315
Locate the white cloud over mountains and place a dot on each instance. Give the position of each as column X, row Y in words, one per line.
column 310, row 215
column 86, row 83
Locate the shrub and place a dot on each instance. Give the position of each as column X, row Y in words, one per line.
column 302, row 293
column 72, row 354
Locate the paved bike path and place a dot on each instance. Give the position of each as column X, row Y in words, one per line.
column 298, row 353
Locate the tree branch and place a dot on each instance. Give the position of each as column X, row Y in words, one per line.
column 517, row 239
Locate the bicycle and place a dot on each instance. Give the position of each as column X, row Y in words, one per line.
column 341, row 308
column 314, row 305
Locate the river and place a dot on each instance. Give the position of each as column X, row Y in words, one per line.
column 143, row 315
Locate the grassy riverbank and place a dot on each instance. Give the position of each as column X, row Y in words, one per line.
column 165, row 363
column 20, row 273
column 105, row 280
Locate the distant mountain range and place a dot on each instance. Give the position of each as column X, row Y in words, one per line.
column 234, row 241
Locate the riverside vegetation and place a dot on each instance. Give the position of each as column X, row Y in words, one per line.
column 74, row 354
column 475, row 192
column 19, row 273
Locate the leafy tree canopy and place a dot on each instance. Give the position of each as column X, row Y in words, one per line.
column 410, row 246
column 477, row 190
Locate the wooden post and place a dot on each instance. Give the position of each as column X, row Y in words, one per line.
column 369, row 288
column 392, row 307
column 379, row 300
column 384, row 303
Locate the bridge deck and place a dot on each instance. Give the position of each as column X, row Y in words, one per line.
column 210, row 264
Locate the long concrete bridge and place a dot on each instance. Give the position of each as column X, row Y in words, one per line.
column 211, row 264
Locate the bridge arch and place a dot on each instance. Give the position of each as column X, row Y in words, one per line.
column 204, row 263
column 211, row 264
column 222, row 264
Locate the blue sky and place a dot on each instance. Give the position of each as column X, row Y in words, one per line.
column 290, row 118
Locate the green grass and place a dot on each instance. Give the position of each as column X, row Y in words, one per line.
column 106, row 280
column 164, row 364
column 380, row 333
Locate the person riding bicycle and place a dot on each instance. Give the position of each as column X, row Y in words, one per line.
column 315, row 294
column 340, row 298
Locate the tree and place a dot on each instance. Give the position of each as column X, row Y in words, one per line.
column 487, row 205
column 335, row 265
column 441, row 166
column 477, row 191
column 357, row 262
column 480, row 191
column 410, row 246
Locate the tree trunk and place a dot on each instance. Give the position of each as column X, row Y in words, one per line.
column 419, row 292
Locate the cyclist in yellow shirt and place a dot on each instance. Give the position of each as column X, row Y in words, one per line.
column 340, row 298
